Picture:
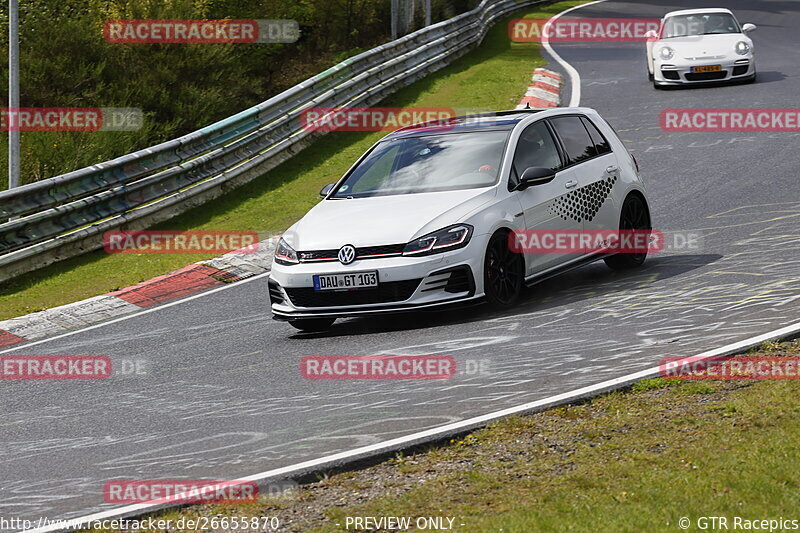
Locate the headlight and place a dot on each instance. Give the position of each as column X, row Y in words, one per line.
column 285, row 254
column 666, row 52
column 742, row 48
column 444, row 240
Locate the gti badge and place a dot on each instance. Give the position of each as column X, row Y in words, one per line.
column 347, row 254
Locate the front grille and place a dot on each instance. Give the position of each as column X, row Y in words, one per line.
column 742, row 69
column 706, row 76
column 670, row 75
column 392, row 291
column 366, row 252
column 389, row 249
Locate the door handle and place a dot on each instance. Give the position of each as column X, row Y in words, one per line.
column 570, row 184
column 612, row 168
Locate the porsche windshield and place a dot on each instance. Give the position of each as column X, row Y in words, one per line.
column 699, row 24
column 430, row 163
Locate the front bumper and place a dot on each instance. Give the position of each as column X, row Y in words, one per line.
column 404, row 284
column 679, row 71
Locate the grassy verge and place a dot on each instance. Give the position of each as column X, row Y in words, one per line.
column 634, row 460
column 493, row 76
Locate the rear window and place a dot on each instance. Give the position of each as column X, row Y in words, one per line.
column 601, row 145
column 575, row 138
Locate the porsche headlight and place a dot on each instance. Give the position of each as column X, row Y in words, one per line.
column 742, row 48
column 666, row 52
column 444, row 240
column 285, row 254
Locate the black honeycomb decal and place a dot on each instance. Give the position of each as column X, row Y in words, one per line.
column 584, row 203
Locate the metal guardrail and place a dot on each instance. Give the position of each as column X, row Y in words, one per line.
column 67, row 215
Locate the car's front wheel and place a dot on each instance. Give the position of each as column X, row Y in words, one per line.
column 312, row 325
column 503, row 272
column 634, row 215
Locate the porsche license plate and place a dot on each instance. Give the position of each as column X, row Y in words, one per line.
column 353, row 280
column 707, row 68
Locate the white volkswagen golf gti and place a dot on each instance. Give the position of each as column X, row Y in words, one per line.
column 696, row 46
column 424, row 218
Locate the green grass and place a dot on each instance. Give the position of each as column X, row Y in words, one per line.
column 629, row 461
column 493, row 77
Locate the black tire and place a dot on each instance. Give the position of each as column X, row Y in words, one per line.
column 634, row 215
column 503, row 272
column 312, row 325
column 650, row 75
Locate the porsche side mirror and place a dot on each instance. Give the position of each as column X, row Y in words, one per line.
column 535, row 176
column 651, row 35
column 747, row 28
column 326, row 189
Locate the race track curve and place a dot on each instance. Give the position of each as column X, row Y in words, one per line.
column 223, row 397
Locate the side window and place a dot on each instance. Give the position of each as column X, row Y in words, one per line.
column 576, row 140
column 601, row 145
column 536, row 148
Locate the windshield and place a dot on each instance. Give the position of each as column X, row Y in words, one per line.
column 699, row 24
column 443, row 162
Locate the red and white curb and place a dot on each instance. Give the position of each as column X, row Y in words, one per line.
column 543, row 92
column 198, row 277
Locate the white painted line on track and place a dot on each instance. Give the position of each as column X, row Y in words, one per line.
column 430, row 434
column 574, row 77
column 25, row 346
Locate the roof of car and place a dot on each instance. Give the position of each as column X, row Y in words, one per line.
column 498, row 120
column 699, row 11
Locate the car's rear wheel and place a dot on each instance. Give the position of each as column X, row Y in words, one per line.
column 312, row 325
column 503, row 272
column 633, row 216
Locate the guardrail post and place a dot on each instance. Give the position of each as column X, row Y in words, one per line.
column 395, row 14
column 13, row 91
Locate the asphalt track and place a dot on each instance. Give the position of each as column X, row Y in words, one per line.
column 222, row 396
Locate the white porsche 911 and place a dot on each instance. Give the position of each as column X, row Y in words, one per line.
column 423, row 218
column 697, row 46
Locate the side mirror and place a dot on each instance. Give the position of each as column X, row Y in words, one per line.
column 747, row 28
column 535, row 176
column 326, row 189
column 651, row 36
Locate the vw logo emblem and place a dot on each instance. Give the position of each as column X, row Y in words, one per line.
column 347, row 254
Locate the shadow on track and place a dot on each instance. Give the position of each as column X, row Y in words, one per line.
column 591, row 281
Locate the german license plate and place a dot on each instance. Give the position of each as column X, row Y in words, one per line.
column 707, row 68
column 352, row 280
